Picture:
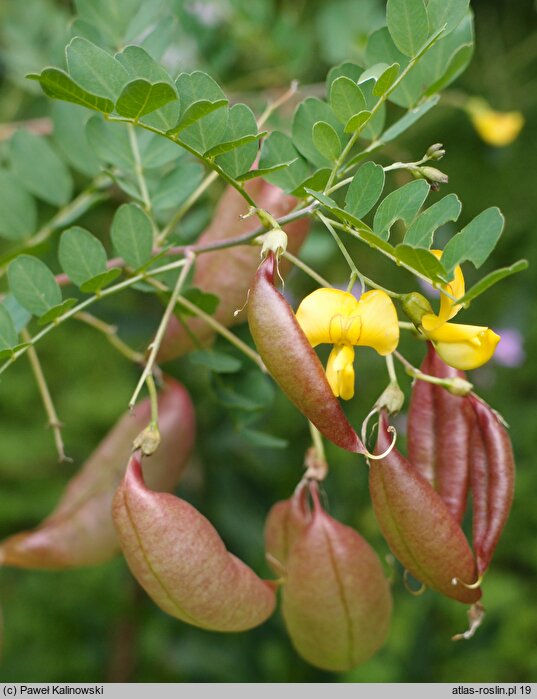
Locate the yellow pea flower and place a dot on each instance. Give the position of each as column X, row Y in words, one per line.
column 460, row 346
column 495, row 128
column 331, row 316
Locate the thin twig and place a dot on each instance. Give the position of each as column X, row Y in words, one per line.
column 273, row 106
column 155, row 345
column 111, row 334
column 306, row 268
column 53, row 419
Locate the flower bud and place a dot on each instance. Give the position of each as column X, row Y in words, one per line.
column 431, row 174
column 80, row 530
column 458, row 387
column 415, row 306
column 182, row 563
column 419, row 528
column 435, row 152
column 336, row 600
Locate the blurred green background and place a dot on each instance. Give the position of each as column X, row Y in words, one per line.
column 96, row 624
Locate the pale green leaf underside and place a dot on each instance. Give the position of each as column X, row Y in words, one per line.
column 33, row 284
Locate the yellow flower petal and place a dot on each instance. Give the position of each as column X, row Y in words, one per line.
column 464, row 346
column 456, row 288
column 497, row 128
column 324, row 315
column 340, row 371
column 380, row 327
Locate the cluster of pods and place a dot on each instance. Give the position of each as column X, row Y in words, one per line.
column 336, row 600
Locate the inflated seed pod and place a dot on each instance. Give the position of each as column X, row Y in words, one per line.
column 228, row 273
column 492, row 480
column 80, row 530
column 178, row 557
column 418, row 526
column 438, row 432
column 291, row 360
column 336, row 600
column 284, row 522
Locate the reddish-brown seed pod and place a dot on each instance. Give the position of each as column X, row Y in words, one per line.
column 80, row 530
column 292, row 362
column 438, row 433
column 492, row 480
column 285, row 520
column 178, row 557
column 228, row 273
column 419, row 528
column 336, row 600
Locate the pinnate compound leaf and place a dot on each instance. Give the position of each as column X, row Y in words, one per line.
column 140, row 97
column 33, row 284
column 457, row 64
column 491, row 279
column 208, row 130
column 365, row 189
column 58, row 84
column 94, row 69
column 408, row 24
column 139, row 64
column 132, row 235
column 81, row 255
column 346, row 99
column 18, row 214
column 316, row 181
column 56, row 311
column 9, row 337
column 476, row 241
column 279, row 149
column 326, row 140
column 238, row 149
column 402, row 204
column 39, row 168
column 420, row 234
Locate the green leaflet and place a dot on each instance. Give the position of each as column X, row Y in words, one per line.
column 326, row 140
column 310, row 111
column 94, row 69
column 365, row 189
column 58, row 84
column 81, row 255
column 208, row 130
column 279, row 149
column 420, row 233
column 408, row 24
column 39, row 168
column 402, row 204
column 476, row 240
column 491, row 279
column 33, row 285
column 18, row 214
column 140, row 97
column 132, row 235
